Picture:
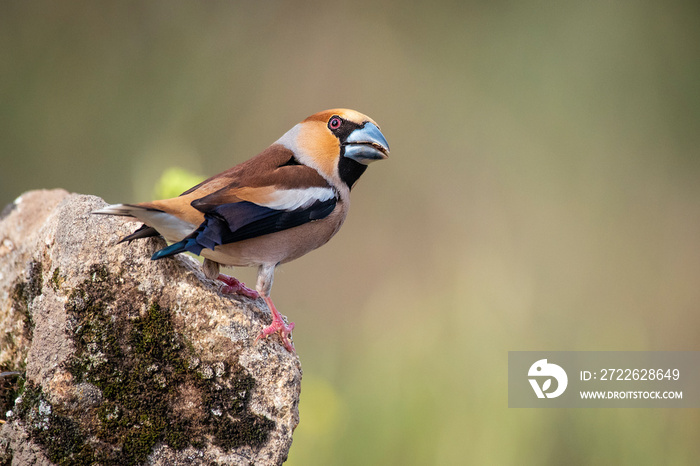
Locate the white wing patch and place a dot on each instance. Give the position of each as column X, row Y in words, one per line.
column 291, row 199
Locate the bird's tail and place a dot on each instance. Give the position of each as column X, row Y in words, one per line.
column 157, row 222
column 144, row 232
column 122, row 210
column 129, row 210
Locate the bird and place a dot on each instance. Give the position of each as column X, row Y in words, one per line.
column 286, row 201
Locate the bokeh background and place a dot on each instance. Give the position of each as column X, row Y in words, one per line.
column 543, row 193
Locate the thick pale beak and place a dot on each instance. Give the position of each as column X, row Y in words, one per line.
column 366, row 144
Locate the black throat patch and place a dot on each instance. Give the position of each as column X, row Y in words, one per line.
column 350, row 170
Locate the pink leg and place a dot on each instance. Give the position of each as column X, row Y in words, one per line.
column 277, row 326
column 233, row 286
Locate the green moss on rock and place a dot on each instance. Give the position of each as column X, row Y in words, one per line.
column 150, row 394
column 56, row 279
column 11, row 385
column 60, row 435
column 24, row 292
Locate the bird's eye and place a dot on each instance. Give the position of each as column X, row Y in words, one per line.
column 334, row 123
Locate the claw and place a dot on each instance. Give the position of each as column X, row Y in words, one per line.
column 277, row 326
column 233, row 286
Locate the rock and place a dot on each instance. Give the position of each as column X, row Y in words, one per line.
column 124, row 360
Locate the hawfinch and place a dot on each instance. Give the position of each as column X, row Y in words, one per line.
column 286, row 201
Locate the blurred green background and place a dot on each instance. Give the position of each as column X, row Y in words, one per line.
column 543, row 193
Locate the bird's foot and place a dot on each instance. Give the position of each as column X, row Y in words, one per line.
column 233, row 286
column 277, row 326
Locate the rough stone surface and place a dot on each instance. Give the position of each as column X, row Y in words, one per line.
column 123, row 360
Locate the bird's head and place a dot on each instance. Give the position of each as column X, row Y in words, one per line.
column 338, row 143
